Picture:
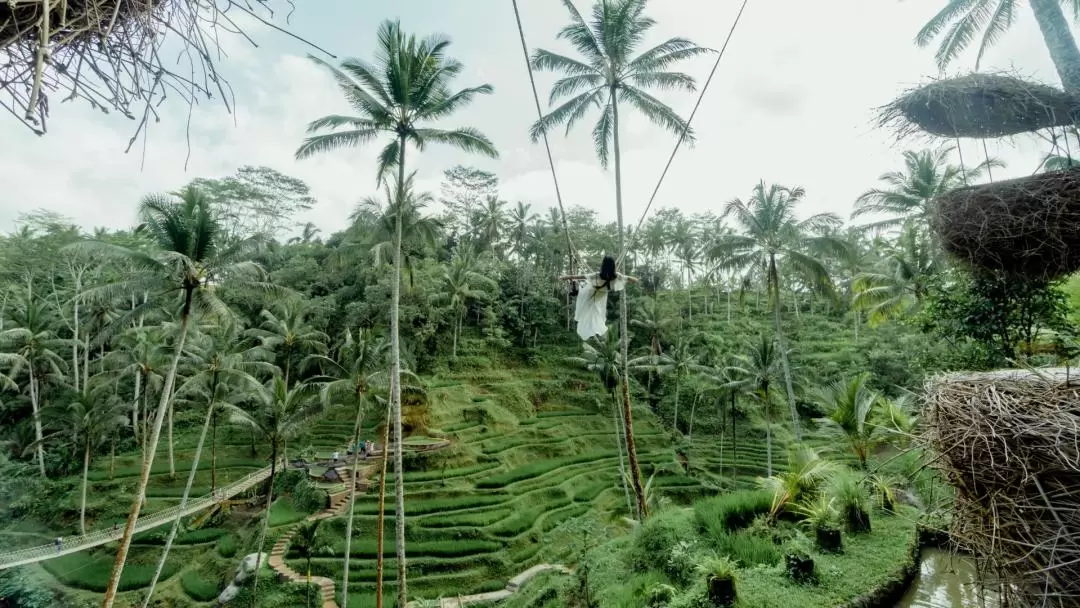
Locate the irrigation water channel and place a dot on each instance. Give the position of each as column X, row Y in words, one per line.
column 946, row 580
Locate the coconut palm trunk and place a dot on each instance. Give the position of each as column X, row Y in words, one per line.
column 265, row 528
column 169, row 438
column 624, row 334
column 395, row 383
column 380, row 534
column 619, row 441
column 82, row 500
column 35, row 403
column 774, row 287
column 1059, row 41
column 144, row 475
column 183, row 502
column 352, row 499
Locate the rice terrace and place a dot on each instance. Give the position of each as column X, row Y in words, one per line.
column 376, row 305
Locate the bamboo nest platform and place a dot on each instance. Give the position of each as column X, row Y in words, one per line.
column 117, row 55
column 1009, row 443
column 1029, row 225
column 979, row 106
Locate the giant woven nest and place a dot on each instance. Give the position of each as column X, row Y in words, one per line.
column 1009, row 443
column 1029, row 225
column 122, row 55
column 979, row 105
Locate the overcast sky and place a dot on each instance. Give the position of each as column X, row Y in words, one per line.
column 792, row 103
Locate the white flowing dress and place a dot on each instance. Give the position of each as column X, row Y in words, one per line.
column 591, row 308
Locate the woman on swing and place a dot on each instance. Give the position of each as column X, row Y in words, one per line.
column 590, row 310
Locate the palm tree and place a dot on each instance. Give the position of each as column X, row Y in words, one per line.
column 219, row 367
column 963, row 20
column 907, row 194
column 492, row 222
column 419, row 232
column 756, row 371
column 407, row 87
column 33, row 345
column 806, row 472
column 191, row 264
column 358, row 368
column 461, row 283
column 87, row 422
column 901, row 281
column 521, row 219
column 609, row 73
column 774, row 239
column 603, row 359
column 851, row 408
column 308, row 543
column 679, row 362
column 278, row 413
column 288, row 333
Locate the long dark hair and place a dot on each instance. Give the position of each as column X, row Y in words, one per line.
column 607, row 271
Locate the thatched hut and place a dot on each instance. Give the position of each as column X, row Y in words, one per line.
column 1009, row 443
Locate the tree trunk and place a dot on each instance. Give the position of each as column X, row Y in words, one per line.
column 148, row 462
column 183, row 501
column 723, row 429
column 619, row 444
column 35, row 404
column 774, row 283
column 265, row 528
column 380, row 534
column 734, row 441
column 213, row 454
column 675, row 418
column 395, row 383
column 856, row 325
column 82, row 500
column 135, row 410
column 172, row 458
column 729, row 307
column 457, row 330
column 624, row 334
column 690, row 434
column 1059, row 41
column 75, row 336
column 768, row 437
column 352, row 499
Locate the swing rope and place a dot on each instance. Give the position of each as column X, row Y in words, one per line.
column 572, row 252
column 682, row 136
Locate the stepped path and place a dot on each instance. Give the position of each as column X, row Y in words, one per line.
column 74, row 544
column 339, row 503
column 513, row 586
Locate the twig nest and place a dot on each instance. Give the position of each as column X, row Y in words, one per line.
column 1026, row 226
column 1009, row 443
column 979, row 106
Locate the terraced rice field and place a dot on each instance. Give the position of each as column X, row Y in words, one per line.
column 479, row 512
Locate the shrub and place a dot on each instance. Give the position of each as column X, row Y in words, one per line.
column 720, row 580
column 730, row 512
column 227, row 545
column 198, row 588
column 659, row 596
column 654, row 540
column 748, row 549
column 852, row 502
column 680, row 564
column 799, row 566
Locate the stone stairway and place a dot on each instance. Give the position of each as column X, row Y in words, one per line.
column 339, row 503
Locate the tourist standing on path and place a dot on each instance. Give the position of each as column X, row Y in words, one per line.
column 59, row 543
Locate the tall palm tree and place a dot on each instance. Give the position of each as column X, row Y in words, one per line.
column 278, row 413
column 963, row 20
column 773, row 240
column 492, row 222
column 907, row 194
column 609, row 72
column 308, row 543
column 462, row 283
column 286, row 331
column 87, row 421
column 419, row 232
column 679, row 362
column 33, row 346
column 756, row 371
column 603, row 359
column 902, row 279
column 191, row 265
column 851, row 409
column 358, row 368
column 408, row 86
column 220, row 367
column 522, row 219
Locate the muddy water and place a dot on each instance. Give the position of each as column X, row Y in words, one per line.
column 946, row 581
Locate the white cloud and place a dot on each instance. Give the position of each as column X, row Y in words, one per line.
column 792, row 102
